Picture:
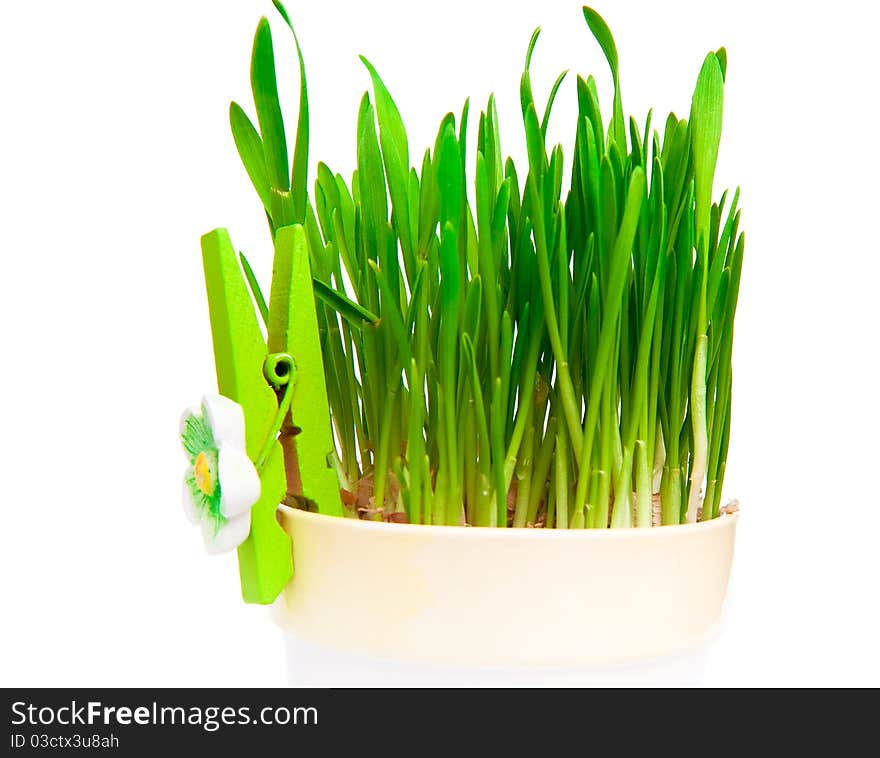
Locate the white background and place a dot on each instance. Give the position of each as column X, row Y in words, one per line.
column 116, row 157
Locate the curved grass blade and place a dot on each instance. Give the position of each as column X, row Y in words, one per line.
column 605, row 39
column 550, row 100
column 299, row 172
column 531, row 48
column 389, row 116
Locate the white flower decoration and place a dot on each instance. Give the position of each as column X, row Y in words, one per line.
column 221, row 484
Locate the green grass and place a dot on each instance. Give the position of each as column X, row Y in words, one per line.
column 557, row 354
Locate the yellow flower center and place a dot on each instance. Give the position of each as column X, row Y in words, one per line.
column 203, row 474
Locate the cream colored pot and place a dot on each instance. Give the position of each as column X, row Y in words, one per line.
column 503, row 597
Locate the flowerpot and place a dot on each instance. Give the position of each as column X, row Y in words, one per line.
column 480, row 597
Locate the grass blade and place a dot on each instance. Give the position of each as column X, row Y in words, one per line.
column 354, row 313
column 250, row 150
column 265, row 90
column 255, row 289
column 300, row 170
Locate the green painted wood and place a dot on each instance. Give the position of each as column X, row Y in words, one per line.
column 293, row 328
column 265, row 561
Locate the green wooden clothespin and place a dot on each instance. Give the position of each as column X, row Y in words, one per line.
column 243, row 361
column 293, row 329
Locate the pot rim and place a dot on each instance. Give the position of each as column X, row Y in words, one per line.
column 723, row 521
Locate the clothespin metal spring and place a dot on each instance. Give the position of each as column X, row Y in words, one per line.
column 280, row 371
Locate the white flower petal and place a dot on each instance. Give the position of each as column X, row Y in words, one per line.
column 181, row 427
column 226, row 418
column 229, row 536
column 189, row 507
column 239, row 481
